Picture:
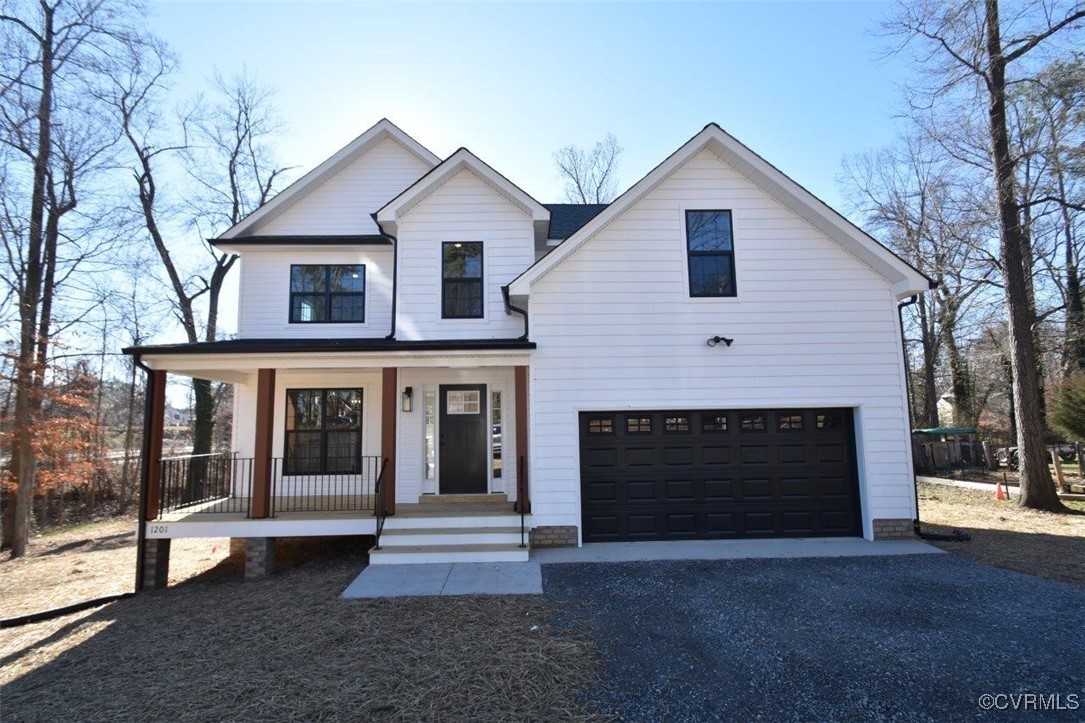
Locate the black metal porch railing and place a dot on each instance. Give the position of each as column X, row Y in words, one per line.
column 216, row 483
column 344, row 485
column 219, row 482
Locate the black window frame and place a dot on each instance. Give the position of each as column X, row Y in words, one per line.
column 463, row 281
column 691, row 255
column 328, row 295
column 289, row 464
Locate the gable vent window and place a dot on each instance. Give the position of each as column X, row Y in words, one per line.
column 711, row 253
column 323, row 294
column 461, row 280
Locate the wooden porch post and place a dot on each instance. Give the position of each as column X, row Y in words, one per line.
column 523, row 497
column 261, row 462
column 389, row 414
column 152, row 444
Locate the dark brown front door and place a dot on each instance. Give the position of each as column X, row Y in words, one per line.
column 463, row 439
column 717, row 474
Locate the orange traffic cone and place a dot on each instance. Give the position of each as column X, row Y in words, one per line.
column 998, row 491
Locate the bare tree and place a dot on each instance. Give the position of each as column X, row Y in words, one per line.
column 51, row 53
column 590, row 176
column 966, row 51
column 223, row 144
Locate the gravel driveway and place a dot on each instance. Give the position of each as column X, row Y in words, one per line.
column 918, row 637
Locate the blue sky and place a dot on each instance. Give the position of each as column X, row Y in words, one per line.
column 803, row 84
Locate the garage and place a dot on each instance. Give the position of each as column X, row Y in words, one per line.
column 715, row 474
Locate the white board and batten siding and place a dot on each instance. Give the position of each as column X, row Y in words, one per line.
column 462, row 209
column 342, row 204
column 813, row 327
column 264, row 307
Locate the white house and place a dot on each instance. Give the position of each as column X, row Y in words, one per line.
column 428, row 354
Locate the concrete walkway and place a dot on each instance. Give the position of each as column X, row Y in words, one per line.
column 458, row 578
column 729, row 550
column 525, row 578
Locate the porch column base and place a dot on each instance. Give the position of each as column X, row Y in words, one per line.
column 259, row 557
column 156, row 564
column 237, row 547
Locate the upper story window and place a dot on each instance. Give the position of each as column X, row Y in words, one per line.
column 461, row 280
column 711, row 251
column 327, row 294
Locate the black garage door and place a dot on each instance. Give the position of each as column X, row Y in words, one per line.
column 718, row 474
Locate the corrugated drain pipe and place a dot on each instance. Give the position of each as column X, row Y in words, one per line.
column 956, row 535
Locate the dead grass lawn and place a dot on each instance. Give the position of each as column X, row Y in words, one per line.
column 1004, row 535
column 89, row 561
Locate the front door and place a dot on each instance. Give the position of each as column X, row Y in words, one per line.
column 463, row 439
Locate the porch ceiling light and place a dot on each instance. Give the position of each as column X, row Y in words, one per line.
column 408, row 399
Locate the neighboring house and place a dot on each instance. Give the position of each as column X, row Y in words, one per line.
column 425, row 349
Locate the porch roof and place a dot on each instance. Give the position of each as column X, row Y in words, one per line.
column 311, row 346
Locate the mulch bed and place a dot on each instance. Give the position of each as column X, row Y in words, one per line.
column 1044, row 544
column 288, row 648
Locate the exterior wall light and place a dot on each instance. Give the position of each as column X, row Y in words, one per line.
column 717, row 339
column 407, row 404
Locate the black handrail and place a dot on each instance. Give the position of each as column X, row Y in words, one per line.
column 333, row 484
column 522, row 503
column 380, row 510
column 219, row 482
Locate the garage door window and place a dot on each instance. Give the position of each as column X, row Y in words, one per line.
column 789, row 422
column 601, row 425
column 638, row 425
column 828, row 421
column 753, row 422
column 676, row 424
column 714, row 422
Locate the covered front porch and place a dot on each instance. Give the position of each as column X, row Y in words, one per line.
column 347, row 443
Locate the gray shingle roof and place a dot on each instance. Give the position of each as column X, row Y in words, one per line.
column 568, row 218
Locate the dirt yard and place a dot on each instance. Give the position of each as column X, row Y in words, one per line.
column 214, row 647
column 89, row 561
column 1004, row 535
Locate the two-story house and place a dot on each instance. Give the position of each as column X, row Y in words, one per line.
column 429, row 355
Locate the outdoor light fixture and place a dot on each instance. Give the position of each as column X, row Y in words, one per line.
column 717, row 339
column 408, row 399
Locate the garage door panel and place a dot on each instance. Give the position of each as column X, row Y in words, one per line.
column 656, row 475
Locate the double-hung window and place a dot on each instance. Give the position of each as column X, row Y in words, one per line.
column 323, row 294
column 323, row 431
column 711, row 253
column 461, row 280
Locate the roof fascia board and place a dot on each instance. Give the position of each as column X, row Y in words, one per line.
column 293, row 193
column 463, row 159
column 769, row 178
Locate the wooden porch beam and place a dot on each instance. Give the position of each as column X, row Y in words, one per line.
column 152, row 444
column 523, row 497
column 262, row 462
column 389, row 414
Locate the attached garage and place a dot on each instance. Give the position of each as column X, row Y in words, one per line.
column 713, row 474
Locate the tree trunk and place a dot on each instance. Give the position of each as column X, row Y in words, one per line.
column 929, row 415
column 1037, row 487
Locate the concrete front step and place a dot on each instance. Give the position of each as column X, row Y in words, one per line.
column 420, row 554
column 487, row 499
column 475, row 520
column 451, row 536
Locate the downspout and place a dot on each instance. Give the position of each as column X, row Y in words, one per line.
column 956, row 535
column 144, row 474
column 509, row 308
column 395, row 273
